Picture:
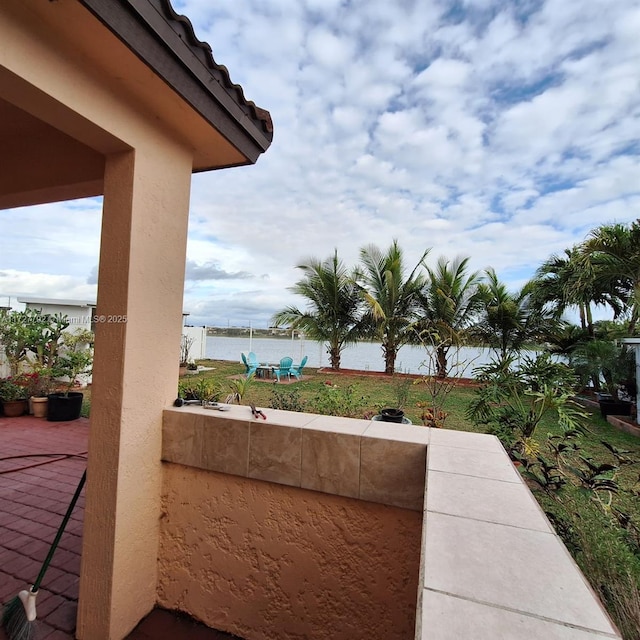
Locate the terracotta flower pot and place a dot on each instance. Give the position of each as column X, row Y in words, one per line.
column 14, row 408
column 39, row 406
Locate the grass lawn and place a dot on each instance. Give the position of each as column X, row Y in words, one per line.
column 377, row 390
column 600, row 528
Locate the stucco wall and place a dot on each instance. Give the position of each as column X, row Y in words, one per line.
column 267, row 561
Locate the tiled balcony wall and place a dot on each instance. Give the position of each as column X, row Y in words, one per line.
column 492, row 566
column 294, row 527
column 307, row 526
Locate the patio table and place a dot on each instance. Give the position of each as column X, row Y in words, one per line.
column 264, row 370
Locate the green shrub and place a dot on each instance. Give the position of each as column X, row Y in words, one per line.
column 512, row 402
column 332, row 400
column 11, row 390
column 286, row 399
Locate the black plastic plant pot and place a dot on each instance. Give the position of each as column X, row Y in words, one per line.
column 615, row 408
column 63, row 408
column 391, row 415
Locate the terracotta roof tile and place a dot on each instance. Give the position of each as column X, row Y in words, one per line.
column 202, row 50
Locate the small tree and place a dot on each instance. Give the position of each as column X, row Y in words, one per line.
column 75, row 359
column 239, row 388
column 185, row 350
column 31, row 338
column 433, row 412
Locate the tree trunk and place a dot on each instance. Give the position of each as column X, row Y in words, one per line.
column 635, row 309
column 390, row 352
column 334, row 357
column 441, row 364
column 589, row 317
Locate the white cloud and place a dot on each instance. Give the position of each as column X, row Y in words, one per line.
column 499, row 131
column 14, row 283
column 329, row 50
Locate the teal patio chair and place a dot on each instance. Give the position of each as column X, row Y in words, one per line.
column 249, row 367
column 296, row 369
column 284, row 369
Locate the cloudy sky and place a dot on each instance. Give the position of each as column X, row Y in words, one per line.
column 504, row 131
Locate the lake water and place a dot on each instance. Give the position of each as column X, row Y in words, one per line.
column 365, row 356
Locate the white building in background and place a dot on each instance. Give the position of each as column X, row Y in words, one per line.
column 79, row 312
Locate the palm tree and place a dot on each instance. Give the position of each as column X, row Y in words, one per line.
column 618, row 248
column 508, row 320
column 391, row 298
column 450, row 301
column 575, row 280
column 333, row 312
column 564, row 338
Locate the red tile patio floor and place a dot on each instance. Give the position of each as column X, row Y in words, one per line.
column 33, row 499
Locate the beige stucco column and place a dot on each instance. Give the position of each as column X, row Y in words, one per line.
column 141, row 277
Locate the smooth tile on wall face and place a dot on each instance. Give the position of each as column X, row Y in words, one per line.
column 181, row 439
column 393, row 472
column 331, row 462
column 225, row 446
column 275, row 453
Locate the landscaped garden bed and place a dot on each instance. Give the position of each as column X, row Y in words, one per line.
column 596, row 509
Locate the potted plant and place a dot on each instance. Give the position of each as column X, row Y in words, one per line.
column 401, row 388
column 38, row 384
column 206, row 390
column 75, row 361
column 186, row 391
column 203, row 391
column 13, row 397
column 390, row 414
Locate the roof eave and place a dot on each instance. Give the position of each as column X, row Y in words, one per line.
column 166, row 43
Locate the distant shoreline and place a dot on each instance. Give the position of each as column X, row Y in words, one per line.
column 240, row 332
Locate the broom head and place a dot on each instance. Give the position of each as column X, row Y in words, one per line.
column 19, row 616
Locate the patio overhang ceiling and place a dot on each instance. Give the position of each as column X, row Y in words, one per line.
column 142, row 52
